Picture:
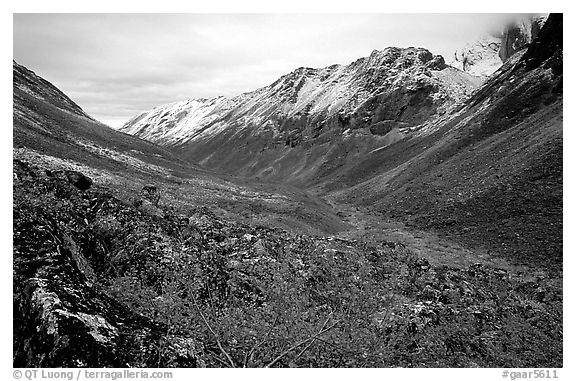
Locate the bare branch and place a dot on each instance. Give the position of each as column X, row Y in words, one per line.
column 219, row 359
column 312, row 341
column 248, row 356
column 231, row 362
column 299, row 344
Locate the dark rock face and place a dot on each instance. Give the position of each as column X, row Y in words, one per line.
column 548, row 44
column 518, row 35
column 78, row 179
column 384, row 127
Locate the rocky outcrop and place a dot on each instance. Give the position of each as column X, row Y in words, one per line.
column 518, row 35
column 547, row 46
column 78, row 179
column 485, row 55
column 61, row 318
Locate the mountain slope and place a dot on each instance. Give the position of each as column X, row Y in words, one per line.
column 491, row 174
column 46, row 120
column 28, row 82
column 50, row 129
column 292, row 128
column 401, row 142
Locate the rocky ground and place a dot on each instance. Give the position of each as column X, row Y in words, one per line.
column 104, row 282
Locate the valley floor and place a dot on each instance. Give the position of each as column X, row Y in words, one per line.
column 236, row 274
column 368, row 226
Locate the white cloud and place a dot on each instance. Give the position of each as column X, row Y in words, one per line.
column 117, row 65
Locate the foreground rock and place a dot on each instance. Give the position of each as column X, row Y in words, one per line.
column 60, row 318
column 99, row 282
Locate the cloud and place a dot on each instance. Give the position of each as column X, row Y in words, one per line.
column 118, row 65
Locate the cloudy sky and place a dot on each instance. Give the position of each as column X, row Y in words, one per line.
column 118, row 65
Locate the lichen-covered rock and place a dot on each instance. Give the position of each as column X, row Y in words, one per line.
column 66, row 323
column 61, row 318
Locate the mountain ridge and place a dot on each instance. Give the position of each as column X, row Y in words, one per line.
column 391, row 90
column 27, row 81
column 382, row 69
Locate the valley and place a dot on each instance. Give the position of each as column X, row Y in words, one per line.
column 395, row 211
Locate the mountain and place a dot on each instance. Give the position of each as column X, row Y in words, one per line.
column 480, row 58
column 51, row 129
column 490, row 174
column 399, row 131
column 485, row 55
column 291, row 128
column 437, row 243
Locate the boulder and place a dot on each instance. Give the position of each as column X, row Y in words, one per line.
column 151, row 193
column 260, row 248
column 79, row 180
column 149, row 208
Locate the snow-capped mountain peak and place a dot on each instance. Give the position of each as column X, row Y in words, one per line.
column 309, row 97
